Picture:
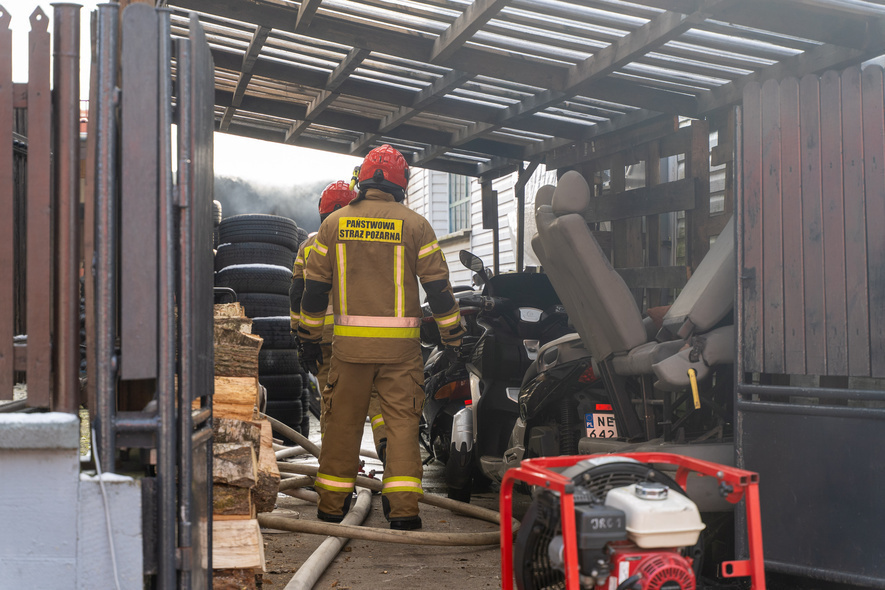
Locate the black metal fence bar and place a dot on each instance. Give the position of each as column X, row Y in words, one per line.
column 7, row 192
column 106, row 207
column 39, row 206
column 66, row 162
column 166, row 443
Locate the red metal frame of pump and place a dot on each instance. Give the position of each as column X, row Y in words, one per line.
column 744, row 484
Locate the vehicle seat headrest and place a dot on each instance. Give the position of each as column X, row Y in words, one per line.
column 544, row 196
column 572, row 194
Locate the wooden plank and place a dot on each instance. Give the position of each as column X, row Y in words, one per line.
column 139, row 201
column 772, row 241
column 856, row 290
column 791, row 189
column 268, row 484
column 697, row 221
column 831, row 137
column 237, row 544
column 653, row 222
column 39, row 255
column 874, row 188
column 657, row 277
column 469, row 22
column 678, row 195
column 596, row 149
column 751, row 297
column 7, row 199
column 812, row 219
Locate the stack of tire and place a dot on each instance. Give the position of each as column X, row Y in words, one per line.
column 254, row 258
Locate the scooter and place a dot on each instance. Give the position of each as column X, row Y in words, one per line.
column 518, row 314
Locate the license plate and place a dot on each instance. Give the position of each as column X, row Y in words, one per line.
column 601, row 425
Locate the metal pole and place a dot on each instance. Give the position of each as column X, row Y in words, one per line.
column 520, row 217
column 166, row 439
column 185, row 308
column 104, row 271
column 66, row 114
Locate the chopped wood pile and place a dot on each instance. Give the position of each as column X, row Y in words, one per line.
column 244, row 472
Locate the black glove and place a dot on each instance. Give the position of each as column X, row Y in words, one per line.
column 311, row 356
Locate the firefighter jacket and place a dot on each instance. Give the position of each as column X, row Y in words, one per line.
column 370, row 255
column 296, row 290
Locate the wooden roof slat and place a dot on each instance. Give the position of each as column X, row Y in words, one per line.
column 470, row 21
column 306, row 11
column 258, row 39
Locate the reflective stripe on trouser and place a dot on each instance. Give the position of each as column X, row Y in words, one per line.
column 400, row 391
column 379, row 429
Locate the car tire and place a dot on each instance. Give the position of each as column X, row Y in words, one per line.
column 253, row 253
column 255, row 227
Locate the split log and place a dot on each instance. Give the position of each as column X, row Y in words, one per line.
column 236, row 354
column 234, row 464
column 237, row 544
column 233, row 579
column 228, row 430
column 235, row 397
column 267, row 486
column 228, row 310
column 228, row 500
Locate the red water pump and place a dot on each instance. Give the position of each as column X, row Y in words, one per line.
column 630, row 526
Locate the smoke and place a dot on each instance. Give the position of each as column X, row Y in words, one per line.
column 297, row 202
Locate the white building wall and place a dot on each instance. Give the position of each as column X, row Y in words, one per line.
column 429, row 195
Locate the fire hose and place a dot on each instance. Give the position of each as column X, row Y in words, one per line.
column 346, row 530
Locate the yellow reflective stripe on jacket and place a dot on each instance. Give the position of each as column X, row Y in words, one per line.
column 322, row 249
column 335, row 484
column 402, row 484
column 377, row 422
column 399, row 269
column 294, row 317
column 313, row 322
column 449, row 320
column 373, row 321
column 428, row 249
column 342, row 278
column 367, row 332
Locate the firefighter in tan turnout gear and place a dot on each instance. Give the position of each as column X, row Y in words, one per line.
column 335, row 196
column 369, row 256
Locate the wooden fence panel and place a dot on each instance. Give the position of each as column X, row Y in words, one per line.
column 791, row 189
column 812, row 215
column 7, row 191
column 874, row 187
column 833, row 223
column 751, row 298
column 772, row 224
column 39, row 255
column 858, row 326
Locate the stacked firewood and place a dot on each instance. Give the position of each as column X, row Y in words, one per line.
column 245, row 475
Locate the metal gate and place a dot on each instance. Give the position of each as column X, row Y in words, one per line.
column 811, row 306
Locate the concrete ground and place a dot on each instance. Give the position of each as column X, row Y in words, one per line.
column 370, row 565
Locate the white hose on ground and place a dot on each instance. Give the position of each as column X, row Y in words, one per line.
column 305, row 442
column 287, row 452
column 311, row 570
column 302, row 494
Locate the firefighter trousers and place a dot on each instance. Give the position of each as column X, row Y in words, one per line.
column 379, row 431
column 400, row 390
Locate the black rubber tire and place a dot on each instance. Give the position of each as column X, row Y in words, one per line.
column 255, row 279
column 277, row 333
column 253, row 253
column 216, row 213
column 263, row 305
column 279, row 362
column 289, row 413
column 302, row 235
column 282, row 388
column 256, row 227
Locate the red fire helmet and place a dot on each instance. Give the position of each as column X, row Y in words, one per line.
column 337, row 194
column 384, row 168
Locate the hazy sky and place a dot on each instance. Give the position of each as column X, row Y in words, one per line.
column 261, row 162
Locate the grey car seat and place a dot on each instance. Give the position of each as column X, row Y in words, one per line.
column 605, row 313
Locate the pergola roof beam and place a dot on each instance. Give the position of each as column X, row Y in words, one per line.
column 249, row 58
column 464, row 27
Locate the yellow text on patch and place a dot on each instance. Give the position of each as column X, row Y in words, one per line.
column 368, row 229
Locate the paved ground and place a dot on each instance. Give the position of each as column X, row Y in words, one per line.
column 369, row 565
